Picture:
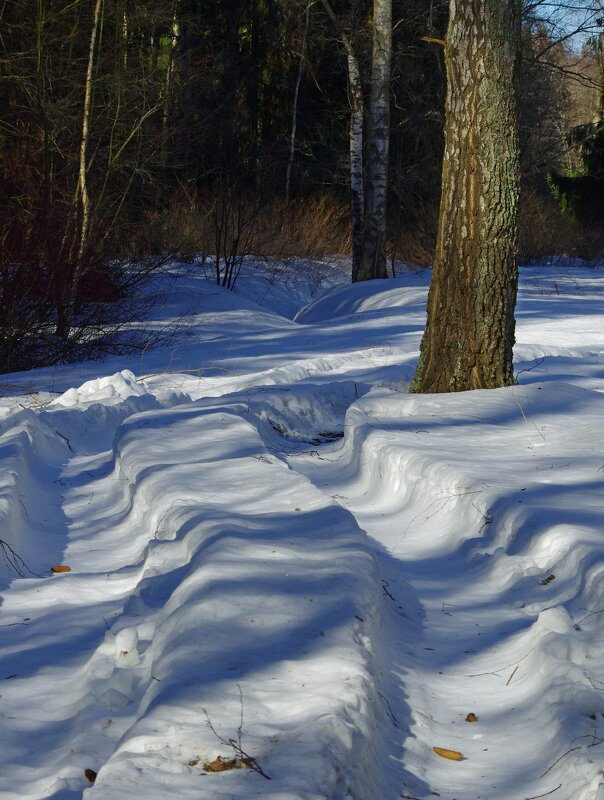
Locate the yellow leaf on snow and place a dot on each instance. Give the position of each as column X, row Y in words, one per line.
column 452, row 755
column 60, row 568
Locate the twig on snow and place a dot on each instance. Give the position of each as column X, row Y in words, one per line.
column 537, row 796
column 500, row 669
column 537, row 363
column 442, row 499
column 240, row 754
column 385, row 586
column 591, row 614
column 66, row 440
column 509, row 680
column 389, row 707
column 13, row 560
column 487, row 518
column 526, row 420
column 549, row 769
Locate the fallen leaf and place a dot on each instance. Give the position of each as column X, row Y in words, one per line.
column 547, row 580
column 452, row 755
column 471, row 717
column 90, row 774
column 60, row 568
column 221, row 764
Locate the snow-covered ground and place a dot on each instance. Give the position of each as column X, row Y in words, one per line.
column 276, row 553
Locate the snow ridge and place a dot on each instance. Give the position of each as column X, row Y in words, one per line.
column 270, row 541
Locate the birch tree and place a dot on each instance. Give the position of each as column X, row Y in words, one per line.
column 378, row 141
column 356, row 141
column 369, row 139
column 469, row 335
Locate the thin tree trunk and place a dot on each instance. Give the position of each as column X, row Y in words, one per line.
column 65, row 314
column 167, row 88
column 125, row 39
column 83, row 172
column 600, row 56
column 292, row 138
column 378, row 141
column 357, row 112
column 357, row 189
column 470, row 330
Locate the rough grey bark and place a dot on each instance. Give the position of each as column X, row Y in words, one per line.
column 377, row 146
column 469, row 334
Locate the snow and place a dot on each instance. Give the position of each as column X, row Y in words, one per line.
column 274, row 547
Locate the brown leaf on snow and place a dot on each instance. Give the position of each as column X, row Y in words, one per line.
column 547, row 580
column 90, row 774
column 60, row 568
column 452, row 755
column 221, row 764
column 471, row 717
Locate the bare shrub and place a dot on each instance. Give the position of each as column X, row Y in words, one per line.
column 227, row 226
column 310, row 228
column 413, row 241
column 110, row 296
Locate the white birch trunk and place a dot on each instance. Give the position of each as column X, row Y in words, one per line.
column 357, row 113
column 377, row 145
column 357, row 189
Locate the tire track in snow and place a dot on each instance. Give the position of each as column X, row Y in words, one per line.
column 469, row 537
column 190, row 579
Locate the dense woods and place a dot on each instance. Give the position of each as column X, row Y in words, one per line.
column 134, row 130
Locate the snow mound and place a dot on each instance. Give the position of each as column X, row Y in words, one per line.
column 108, row 390
column 367, row 296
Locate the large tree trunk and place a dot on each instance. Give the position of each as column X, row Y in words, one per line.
column 377, row 142
column 469, row 335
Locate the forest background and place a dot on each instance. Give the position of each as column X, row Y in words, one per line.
column 130, row 131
